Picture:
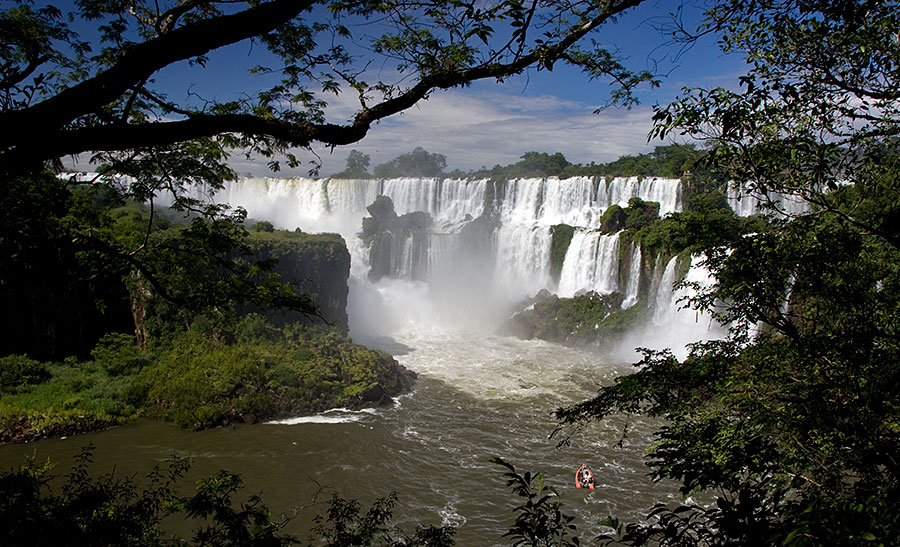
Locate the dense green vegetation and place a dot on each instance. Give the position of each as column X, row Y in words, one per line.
column 209, row 375
column 258, row 372
column 357, row 166
column 418, row 163
column 134, row 311
column 584, row 320
column 790, row 424
column 672, row 161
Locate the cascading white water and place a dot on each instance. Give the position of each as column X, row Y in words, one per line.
column 745, row 203
column 522, row 260
column 666, row 192
column 478, row 275
column 450, row 202
column 632, row 286
column 665, row 306
column 549, row 201
column 676, row 324
column 581, row 201
column 591, row 264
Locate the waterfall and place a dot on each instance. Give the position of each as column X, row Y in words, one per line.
column 488, row 246
column 667, row 192
column 633, row 283
column 581, row 201
column 523, row 260
column 666, row 304
column 591, row 264
column 744, row 202
column 676, row 323
column 450, row 202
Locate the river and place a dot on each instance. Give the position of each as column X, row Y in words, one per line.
column 477, row 396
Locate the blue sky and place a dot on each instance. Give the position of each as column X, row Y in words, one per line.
column 489, row 123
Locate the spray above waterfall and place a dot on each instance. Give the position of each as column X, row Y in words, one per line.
column 462, row 253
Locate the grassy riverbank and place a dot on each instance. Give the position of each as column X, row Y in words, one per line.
column 204, row 377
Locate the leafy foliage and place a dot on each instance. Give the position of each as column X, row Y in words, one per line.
column 263, row 372
column 82, row 263
column 672, row 160
column 344, row 526
column 107, row 510
column 539, row 520
column 248, row 524
column 69, row 95
column 584, row 320
column 418, row 163
column 210, row 375
column 791, row 423
column 17, row 370
column 357, row 166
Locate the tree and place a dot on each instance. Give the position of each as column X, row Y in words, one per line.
column 66, row 95
column 418, row 163
column 65, row 90
column 357, row 166
column 790, row 423
column 820, row 97
column 542, row 164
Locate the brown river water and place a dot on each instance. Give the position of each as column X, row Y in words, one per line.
column 477, row 397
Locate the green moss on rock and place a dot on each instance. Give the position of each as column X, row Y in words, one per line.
column 202, row 383
column 560, row 238
column 585, row 320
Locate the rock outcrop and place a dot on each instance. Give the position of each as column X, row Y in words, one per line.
column 315, row 264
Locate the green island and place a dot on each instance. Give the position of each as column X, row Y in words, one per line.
column 198, row 363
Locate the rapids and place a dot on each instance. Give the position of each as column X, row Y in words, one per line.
column 479, row 395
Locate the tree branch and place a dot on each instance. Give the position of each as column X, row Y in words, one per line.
column 140, row 62
column 62, row 142
column 18, row 75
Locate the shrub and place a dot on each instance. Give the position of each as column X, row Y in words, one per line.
column 18, row 370
column 117, row 354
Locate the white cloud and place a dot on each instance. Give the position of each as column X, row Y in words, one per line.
column 475, row 129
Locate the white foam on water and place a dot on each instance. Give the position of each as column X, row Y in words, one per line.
column 333, row 416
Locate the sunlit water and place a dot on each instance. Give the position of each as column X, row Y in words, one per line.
column 476, row 397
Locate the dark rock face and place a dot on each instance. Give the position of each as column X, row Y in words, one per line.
column 588, row 319
column 315, row 264
column 381, row 393
column 389, row 237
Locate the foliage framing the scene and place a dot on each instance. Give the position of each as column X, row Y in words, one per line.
column 67, row 93
column 790, row 424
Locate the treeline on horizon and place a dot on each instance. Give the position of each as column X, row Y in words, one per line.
column 112, row 348
column 671, row 161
